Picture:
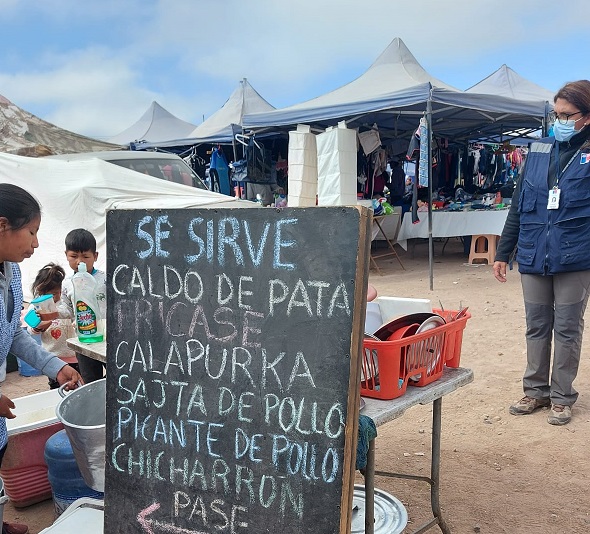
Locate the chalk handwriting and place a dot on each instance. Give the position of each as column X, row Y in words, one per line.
column 226, row 396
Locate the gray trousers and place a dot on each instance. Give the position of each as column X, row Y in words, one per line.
column 554, row 307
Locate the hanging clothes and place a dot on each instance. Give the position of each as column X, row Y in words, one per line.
column 219, row 169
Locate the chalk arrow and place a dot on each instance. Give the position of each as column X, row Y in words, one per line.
column 142, row 517
column 150, row 526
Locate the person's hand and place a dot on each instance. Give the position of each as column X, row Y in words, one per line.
column 5, row 406
column 371, row 293
column 69, row 376
column 500, row 270
column 41, row 327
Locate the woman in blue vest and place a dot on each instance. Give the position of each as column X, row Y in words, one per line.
column 20, row 217
column 549, row 227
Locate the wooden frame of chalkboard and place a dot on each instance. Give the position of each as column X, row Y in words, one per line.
column 233, row 368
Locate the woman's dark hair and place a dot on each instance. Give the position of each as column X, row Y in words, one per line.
column 18, row 206
column 48, row 279
column 80, row 240
column 576, row 93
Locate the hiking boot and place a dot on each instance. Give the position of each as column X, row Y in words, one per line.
column 14, row 528
column 559, row 415
column 528, row 405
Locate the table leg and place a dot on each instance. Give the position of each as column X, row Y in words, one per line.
column 370, row 490
column 433, row 480
column 435, row 465
column 389, row 244
column 374, row 263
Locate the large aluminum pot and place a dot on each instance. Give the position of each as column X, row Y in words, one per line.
column 83, row 414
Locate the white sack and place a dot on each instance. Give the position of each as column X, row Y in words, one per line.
column 337, row 159
column 303, row 172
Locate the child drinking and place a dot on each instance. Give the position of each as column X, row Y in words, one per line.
column 54, row 333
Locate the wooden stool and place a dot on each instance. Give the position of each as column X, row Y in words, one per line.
column 483, row 247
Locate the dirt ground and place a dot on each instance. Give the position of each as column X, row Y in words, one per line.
column 499, row 473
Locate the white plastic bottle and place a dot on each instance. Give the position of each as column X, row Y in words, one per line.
column 89, row 325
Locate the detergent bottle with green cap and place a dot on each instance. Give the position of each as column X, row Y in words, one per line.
column 89, row 324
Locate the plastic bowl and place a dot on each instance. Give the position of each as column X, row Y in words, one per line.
column 404, row 331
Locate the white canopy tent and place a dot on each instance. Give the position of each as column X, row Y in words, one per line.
column 155, row 125
column 394, row 93
column 80, row 194
column 219, row 127
column 507, row 82
column 396, row 69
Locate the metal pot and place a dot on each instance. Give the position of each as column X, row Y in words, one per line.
column 83, row 414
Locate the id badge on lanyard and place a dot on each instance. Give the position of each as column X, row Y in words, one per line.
column 553, row 202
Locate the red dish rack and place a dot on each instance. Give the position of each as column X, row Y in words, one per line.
column 389, row 366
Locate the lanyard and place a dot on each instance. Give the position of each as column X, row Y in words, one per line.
column 558, row 173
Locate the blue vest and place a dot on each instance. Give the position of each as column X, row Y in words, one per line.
column 554, row 241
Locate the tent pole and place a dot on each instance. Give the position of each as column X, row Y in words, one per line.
column 430, row 242
column 545, row 129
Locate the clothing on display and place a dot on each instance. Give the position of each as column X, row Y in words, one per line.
column 219, row 170
column 493, row 164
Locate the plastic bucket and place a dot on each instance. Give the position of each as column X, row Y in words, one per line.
column 24, row 369
column 67, row 484
column 83, row 414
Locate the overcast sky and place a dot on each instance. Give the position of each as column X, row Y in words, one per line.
column 95, row 67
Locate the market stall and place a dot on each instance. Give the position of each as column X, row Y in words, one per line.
column 452, row 224
column 213, row 141
column 393, row 95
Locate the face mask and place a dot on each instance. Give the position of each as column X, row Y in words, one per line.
column 564, row 132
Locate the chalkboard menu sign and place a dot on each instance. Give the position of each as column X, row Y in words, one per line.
column 233, row 374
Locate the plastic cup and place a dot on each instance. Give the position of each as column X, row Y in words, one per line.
column 45, row 307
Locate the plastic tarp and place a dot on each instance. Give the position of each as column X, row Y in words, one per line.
column 155, row 125
column 77, row 194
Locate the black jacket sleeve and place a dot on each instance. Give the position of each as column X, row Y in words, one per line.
column 509, row 238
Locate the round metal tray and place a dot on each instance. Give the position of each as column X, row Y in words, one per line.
column 391, row 516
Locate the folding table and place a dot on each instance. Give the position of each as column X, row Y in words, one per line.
column 384, row 411
column 377, row 220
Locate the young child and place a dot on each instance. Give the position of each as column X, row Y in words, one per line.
column 81, row 248
column 54, row 333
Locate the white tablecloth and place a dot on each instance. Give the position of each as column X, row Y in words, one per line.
column 452, row 223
